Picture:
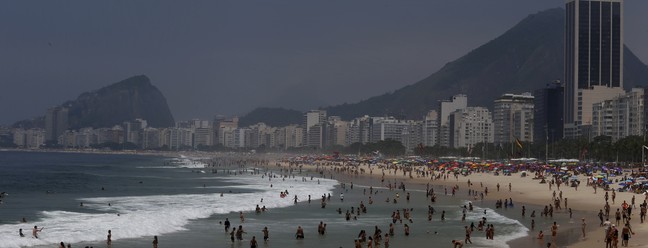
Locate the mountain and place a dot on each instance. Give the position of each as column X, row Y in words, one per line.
column 275, row 117
column 127, row 100
column 525, row 58
column 132, row 98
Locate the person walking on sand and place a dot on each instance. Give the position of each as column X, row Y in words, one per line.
column 625, row 234
column 155, row 242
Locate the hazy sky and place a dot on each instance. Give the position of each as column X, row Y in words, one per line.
column 228, row 57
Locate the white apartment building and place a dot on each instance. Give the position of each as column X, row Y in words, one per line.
column 359, row 130
column 408, row 132
column 30, row 138
column 445, row 108
column 203, row 136
column 314, row 122
column 513, row 118
column 621, row 116
column 430, row 128
column 338, row 131
column 470, row 126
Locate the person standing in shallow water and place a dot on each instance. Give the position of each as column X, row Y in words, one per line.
column 109, row 239
column 468, row 231
column 265, row 234
column 300, row 233
column 155, row 242
column 253, row 242
column 36, row 231
column 227, row 225
column 554, row 231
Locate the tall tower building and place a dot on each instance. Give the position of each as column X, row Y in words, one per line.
column 548, row 113
column 56, row 122
column 445, row 108
column 593, row 58
column 314, row 130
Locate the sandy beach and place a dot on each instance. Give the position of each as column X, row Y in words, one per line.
column 524, row 190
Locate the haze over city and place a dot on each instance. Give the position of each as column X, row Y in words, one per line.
column 230, row 57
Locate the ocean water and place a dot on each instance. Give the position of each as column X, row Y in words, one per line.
column 180, row 201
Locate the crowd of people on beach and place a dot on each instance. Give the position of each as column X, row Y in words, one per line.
column 394, row 178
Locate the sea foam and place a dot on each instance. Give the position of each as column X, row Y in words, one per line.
column 141, row 216
column 506, row 229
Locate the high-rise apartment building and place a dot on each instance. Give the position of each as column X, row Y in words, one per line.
column 548, row 113
column 314, row 122
column 56, row 122
column 470, row 126
column 620, row 117
column 593, row 59
column 430, row 128
column 513, row 118
column 359, row 130
column 445, row 108
column 133, row 130
column 337, row 131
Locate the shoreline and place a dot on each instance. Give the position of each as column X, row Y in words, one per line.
column 525, row 191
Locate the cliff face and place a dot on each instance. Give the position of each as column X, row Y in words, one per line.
column 129, row 99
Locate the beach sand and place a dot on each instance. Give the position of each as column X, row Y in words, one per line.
column 524, row 190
